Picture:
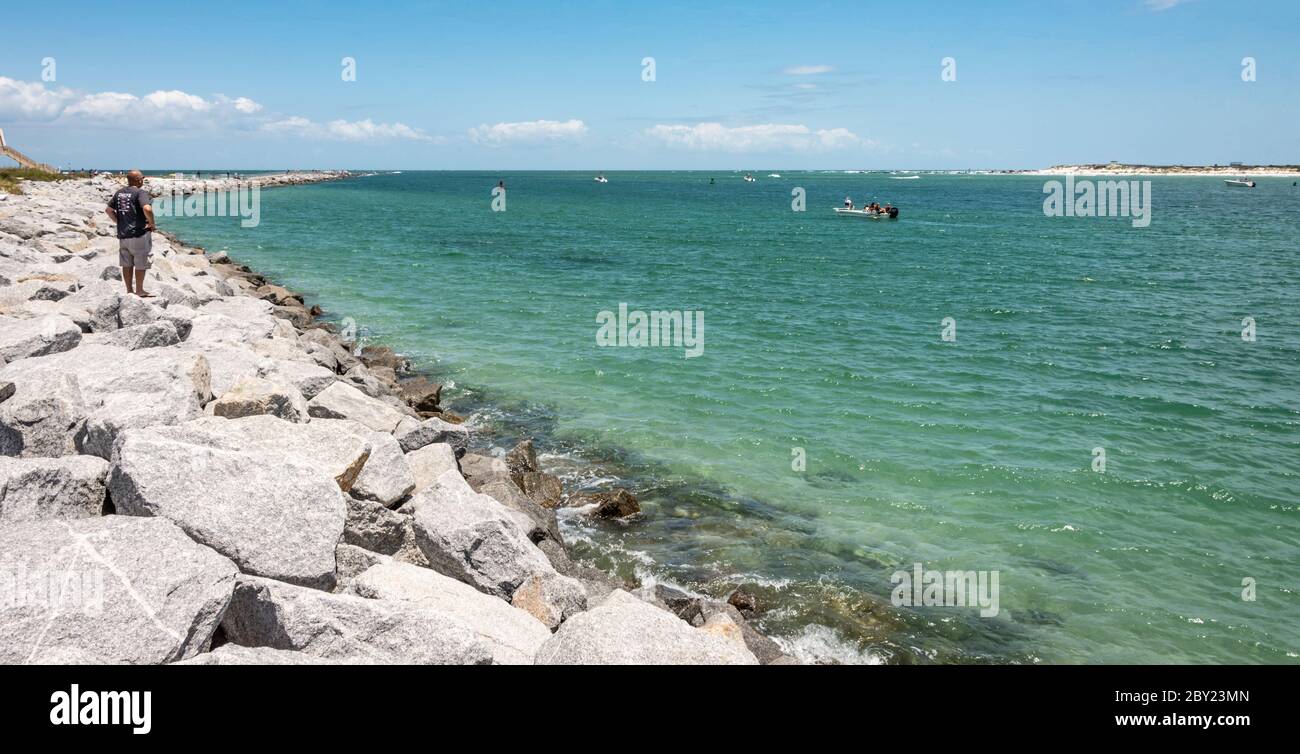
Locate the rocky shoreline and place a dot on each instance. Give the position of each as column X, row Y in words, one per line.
column 213, row 476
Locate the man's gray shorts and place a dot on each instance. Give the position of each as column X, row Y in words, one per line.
column 135, row 252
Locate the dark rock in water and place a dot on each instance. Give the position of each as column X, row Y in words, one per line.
column 448, row 416
column 681, row 604
column 7, row 390
column 617, row 504
column 544, row 489
column 420, row 394
column 743, row 601
column 294, row 313
column 522, row 459
column 382, row 356
column 316, row 311
column 278, row 295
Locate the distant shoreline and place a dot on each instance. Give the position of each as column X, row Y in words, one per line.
column 1115, row 168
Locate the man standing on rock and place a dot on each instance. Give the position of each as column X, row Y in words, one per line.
column 132, row 209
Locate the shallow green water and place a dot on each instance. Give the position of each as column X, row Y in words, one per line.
column 823, row 333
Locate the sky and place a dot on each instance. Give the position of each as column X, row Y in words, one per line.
column 567, row 85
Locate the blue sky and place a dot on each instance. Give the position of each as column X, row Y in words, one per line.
column 543, row 85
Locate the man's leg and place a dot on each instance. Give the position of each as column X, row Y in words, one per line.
column 139, row 284
column 126, row 278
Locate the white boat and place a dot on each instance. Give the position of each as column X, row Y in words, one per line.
column 749, row 178
column 862, row 213
column 773, row 175
column 1245, row 183
column 906, row 177
column 600, row 179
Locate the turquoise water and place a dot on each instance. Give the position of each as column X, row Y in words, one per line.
column 823, row 334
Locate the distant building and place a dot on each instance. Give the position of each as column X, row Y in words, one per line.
column 1234, row 164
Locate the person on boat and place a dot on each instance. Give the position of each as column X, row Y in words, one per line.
column 848, row 203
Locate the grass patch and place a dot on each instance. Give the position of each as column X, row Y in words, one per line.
column 9, row 177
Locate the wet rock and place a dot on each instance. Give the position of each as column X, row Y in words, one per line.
column 382, row 356
column 743, row 601
column 544, row 489
column 618, row 503
column 521, row 459
column 420, row 394
column 278, row 295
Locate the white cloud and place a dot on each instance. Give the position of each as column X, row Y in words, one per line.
column 22, row 101
column 343, row 130
column 34, row 101
column 528, row 132
column 766, row 137
column 174, row 109
column 808, row 70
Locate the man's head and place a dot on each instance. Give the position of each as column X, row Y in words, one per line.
column 135, row 178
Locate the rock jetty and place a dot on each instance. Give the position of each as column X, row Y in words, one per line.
column 213, row 476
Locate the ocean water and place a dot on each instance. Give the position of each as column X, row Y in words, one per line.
column 822, row 339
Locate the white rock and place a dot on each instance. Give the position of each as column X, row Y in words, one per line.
column 157, row 334
column 113, row 589
column 623, row 630
column 434, row 430
column 253, row 396
column 386, row 477
column 274, row 515
column 266, row 613
column 340, row 401
column 513, row 635
column 475, row 539
column 233, row 654
column 429, row 463
column 33, row 489
column 25, row 338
